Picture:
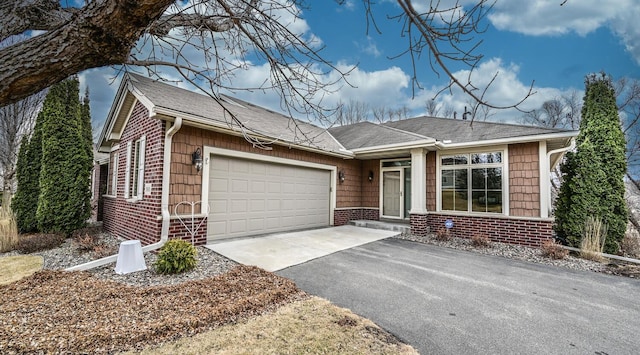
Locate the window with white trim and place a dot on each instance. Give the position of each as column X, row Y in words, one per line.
column 114, row 176
column 472, row 182
column 134, row 171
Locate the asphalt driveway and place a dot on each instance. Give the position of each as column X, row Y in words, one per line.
column 445, row 301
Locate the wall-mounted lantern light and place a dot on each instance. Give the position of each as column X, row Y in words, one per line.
column 341, row 176
column 196, row 159
column 370, row 175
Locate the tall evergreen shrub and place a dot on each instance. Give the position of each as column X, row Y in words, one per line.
column 25, row 201
column 593, row 176
column 63, row 204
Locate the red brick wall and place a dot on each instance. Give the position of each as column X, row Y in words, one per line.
column 524, row 180
column 343, row 216
column 183, row 230
column 505, row 230
column 138, row 220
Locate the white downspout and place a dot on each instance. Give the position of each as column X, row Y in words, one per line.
column 559, row 150
column 164, row 203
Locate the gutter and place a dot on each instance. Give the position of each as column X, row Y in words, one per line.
column 166, row 215
column 549, row 153
column 522, row 139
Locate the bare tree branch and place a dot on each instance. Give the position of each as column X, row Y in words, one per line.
column 228, row 35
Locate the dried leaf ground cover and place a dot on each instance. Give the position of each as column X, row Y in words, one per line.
column 73, row 312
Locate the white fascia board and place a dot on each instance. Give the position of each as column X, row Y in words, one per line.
column 511, row 140
column 144, row 100
column 209, row 124
column 388, row 147
column 113, row 113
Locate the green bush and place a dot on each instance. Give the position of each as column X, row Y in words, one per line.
column 176, row 256
column 593, row 176
column 32, row 243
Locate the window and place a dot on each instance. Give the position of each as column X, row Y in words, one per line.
column 114, row 176
column 472, row 182
column 134, row 172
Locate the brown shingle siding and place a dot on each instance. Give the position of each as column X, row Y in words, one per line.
column 524, row 180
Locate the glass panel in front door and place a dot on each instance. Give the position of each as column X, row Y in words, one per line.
column 407, row 192
column 391, row 193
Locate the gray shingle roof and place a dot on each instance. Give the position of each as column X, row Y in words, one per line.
column 275, row 126
column 257, row 120
column 367, row 134
column 460, row 131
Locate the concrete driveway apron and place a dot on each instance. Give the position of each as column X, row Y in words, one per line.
column 278, row 251
column 445, row 301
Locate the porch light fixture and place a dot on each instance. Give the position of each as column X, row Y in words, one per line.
column 341, row 176
column 196, row 159
column 370, row 175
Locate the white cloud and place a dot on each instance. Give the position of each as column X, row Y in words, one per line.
column 544, row 17
column 369, row 47
column 507, row 89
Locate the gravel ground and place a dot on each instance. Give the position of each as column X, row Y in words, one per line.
column 67, row 255
column 211, row 263
column 531, row 255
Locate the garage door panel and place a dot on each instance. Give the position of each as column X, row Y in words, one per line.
column 239, row 185
column 253, row 197
column 218, row 206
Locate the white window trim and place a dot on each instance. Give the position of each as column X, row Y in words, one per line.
column 505, row 179
column 114, row 175
column 127, row 171
column 140, row 166
column 134, row 171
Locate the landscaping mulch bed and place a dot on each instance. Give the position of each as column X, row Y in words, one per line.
column 54, row 311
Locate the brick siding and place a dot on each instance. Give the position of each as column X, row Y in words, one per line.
column 138, row 220
column 529, row 232
column 344, row 215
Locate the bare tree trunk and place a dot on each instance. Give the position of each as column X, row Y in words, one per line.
column 103, row 33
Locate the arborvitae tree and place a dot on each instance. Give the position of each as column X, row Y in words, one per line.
column 87, row 133
column 63, row 204
column 580, row 193
column 25, row 201
column 595, row 185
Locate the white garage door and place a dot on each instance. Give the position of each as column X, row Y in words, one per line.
column 250, row 197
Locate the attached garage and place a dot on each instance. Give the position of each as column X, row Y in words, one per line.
column 251, row 197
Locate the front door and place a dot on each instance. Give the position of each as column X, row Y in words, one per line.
column 396, row 192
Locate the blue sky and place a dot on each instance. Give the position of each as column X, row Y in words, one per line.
column 537, row 40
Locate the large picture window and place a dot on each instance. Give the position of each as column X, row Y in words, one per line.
column 472, row 182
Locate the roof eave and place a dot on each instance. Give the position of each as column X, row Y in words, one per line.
column 511, row 140
column 396, row 146
column 201, row 122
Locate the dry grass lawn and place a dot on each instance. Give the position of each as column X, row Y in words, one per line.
column 309, row 326
column 14, row 268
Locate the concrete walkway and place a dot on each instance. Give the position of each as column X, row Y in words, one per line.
column 279, row 251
